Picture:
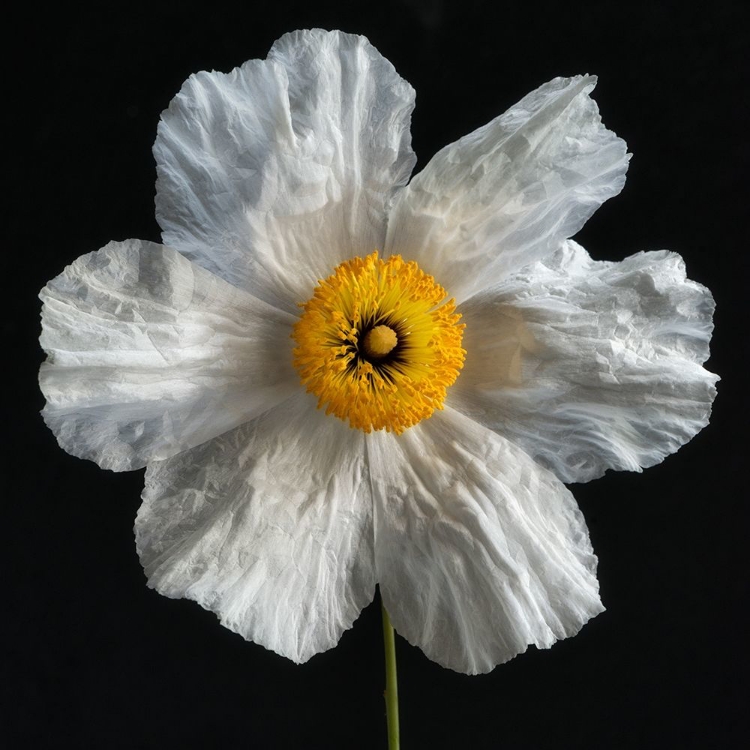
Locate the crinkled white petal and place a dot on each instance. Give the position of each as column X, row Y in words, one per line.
column 274, row 173
column 479, row 551
column 269, row 526
column 507, row 194
column 590, row 366
column 150, row 354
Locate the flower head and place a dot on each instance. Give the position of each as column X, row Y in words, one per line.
column 337, row 379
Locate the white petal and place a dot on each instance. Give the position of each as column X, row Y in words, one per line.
column 150, row 354
column 590, row 366
column 479, row 551
column 274, row 173
column 269, row 526
column 507, row 194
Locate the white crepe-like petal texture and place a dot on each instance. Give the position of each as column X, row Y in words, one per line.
column 479, row 552
column 269, row 526
column 507, row 194
column 591, row 365
column 150, row 354
column 273, row 174
column 281, row 519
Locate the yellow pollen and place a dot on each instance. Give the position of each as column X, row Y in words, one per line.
column 379, row 344
column 379, row 341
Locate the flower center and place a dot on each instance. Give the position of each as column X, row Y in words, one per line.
column 379, row 341
column 378, row 344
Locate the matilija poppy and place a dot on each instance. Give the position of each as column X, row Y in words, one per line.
column 337, row 378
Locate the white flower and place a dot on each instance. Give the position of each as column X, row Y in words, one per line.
column 282, row 519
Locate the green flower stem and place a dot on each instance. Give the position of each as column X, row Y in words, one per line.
column 391, row 683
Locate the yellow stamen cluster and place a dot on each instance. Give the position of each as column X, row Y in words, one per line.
column 378, row 345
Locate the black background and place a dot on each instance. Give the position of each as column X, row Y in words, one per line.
column 96, row 660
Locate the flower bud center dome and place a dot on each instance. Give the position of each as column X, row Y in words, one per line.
column 379, row 344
